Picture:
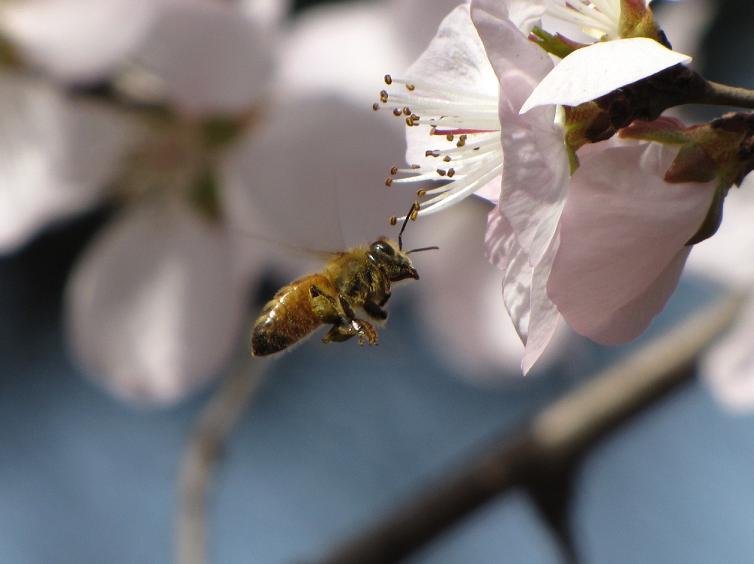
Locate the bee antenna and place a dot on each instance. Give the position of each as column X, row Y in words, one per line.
column 414, row 208
column 419, row 250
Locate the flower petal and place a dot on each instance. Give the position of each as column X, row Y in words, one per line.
column 524, row 287
column 76, row 40
column 153, row 309
column 536, row 169
column 623, row 232
column 455, row 58
column 211, row 56
column 600, row 68
column 56, row 156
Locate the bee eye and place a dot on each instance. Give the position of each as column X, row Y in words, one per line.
column 382, row 247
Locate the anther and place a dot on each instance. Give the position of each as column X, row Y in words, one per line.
column 409, row 121
column 394, row 170
column 447, row 158
column 383, row 96
column 415, row 212
column 415, row 166
column 397, row 112
column 451, row 172
column 388, row 182
column 388, row 79
column 421, row 193
column 393, row 220
column 375, row 106
column 432, row 153
column 410, row 87
column 406, row 111
column 449, row 137
column 441, row 172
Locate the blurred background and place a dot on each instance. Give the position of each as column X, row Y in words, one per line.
column 151, row 158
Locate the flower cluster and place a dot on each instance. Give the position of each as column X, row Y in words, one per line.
column 550, row 110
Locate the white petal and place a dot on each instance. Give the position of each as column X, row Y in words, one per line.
column 153, row 310
column 456, row 58
column 728, row 367
column 211, row 56
column 77, row 40
column 56, row 156
column 600, row 68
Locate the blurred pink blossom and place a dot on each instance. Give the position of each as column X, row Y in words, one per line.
column 156, row 304
column 728, row 367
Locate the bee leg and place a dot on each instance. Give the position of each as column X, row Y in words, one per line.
column 339, row 333
column 375, row 311
column 356, row 328
column 364, row 329
column 367, row 333
column 326, row 307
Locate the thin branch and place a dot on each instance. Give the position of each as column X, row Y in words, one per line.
column 205, row 447
column 724, row 95
column 552, row 442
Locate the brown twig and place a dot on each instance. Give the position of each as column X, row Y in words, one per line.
column 724, row 95
column 549, row 445
column 205, row 446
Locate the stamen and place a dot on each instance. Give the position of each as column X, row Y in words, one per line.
column 462, row 127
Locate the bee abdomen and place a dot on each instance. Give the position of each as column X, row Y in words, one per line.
column 286, row 319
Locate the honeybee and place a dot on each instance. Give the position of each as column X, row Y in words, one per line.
column 359, row 278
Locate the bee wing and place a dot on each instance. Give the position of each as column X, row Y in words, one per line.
column 300, row 250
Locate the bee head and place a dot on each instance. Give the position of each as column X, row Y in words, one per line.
column 392, row 260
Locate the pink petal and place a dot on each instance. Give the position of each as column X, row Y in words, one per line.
column 600, row 68
column 524, row 288
column 536, row 169
column 623, row 232
column 153, row 309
